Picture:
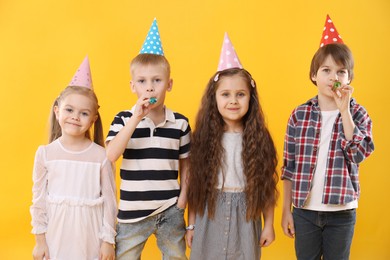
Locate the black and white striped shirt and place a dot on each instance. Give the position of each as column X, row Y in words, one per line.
column 150, row 165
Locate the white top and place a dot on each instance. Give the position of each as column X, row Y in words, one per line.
column 231, row 177
column 74, row 200
column 314, row 201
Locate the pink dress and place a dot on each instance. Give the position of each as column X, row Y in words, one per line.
column 74, row 200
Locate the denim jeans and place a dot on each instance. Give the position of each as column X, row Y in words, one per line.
column 167, row 226
column 320, row 233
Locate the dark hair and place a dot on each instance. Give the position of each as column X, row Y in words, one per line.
column 259, row 157
column 341, row 54
column 150, row 59
column 55, row 129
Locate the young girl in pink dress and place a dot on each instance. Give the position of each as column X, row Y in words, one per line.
column 74, row 196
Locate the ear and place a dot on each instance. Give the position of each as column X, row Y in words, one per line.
column 314, row 77
column 132, row 87
column 56, row 111
column 170, row 85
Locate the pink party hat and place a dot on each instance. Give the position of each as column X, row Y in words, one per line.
column 82, row 77
column 228, row 58
column 330, row 34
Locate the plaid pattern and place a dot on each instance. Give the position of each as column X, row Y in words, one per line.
column 301, row 148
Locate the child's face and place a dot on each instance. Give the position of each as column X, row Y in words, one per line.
column 151, row 81
column 75, row 115
column 327, row 74
column 232, row 98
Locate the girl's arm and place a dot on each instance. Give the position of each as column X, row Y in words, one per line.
column 191, row 221
column 287, row 218
column 41, row 250
column 108, row 190
column 268, row 232
column 184, row 166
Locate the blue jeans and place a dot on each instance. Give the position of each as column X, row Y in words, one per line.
column 320, row 233
column 167, row 226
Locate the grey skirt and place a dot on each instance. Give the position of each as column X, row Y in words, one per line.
column 228, row 235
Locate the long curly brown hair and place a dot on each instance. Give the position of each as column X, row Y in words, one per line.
column 259, row 155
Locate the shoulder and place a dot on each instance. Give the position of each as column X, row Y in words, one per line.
column 180, row 116
column 124, row 114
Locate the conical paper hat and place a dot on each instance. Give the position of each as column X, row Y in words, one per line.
column 152, row 43
column 330, row 34
column 82, row 77
column 228, row 58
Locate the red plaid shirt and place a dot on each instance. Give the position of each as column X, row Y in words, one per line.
column 301, row 149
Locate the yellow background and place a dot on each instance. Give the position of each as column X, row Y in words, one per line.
column 42, row 44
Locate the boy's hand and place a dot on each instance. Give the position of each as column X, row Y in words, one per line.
column 288, row 224
column 142, row 107
column 107, row 251
column 342, row 96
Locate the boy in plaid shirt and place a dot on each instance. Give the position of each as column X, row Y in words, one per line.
column 327, row 138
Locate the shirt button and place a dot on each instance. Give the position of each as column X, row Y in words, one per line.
column 224, row 249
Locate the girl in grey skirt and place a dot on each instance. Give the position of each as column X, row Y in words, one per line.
column 232, row 181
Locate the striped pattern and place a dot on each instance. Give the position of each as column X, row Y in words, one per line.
column 301, row 148
column 150, row 165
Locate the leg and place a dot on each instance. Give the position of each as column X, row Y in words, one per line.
column 308, row 235
column 131, row 238
column 338, row 234
column 170, row 234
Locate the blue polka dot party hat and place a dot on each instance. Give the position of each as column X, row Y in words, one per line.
column 152, row 44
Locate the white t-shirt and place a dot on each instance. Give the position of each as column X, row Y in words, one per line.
column 314, row 200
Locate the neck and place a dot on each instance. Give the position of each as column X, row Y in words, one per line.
column 157, row 114
column 326, row 103
column 75, row 143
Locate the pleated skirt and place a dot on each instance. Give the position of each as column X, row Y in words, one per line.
column 228, row 236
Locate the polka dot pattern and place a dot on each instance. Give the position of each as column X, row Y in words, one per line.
column 330, row 34
column 228, row 58
column 82, row 77
column 152, row 44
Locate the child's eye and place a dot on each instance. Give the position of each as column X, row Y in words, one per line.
column 85, row 114
column 157, row 80
column 140, row 81
column 225, row 94
column 326, row 70
column 69, row 110
column 343, row 72
column 241, row 94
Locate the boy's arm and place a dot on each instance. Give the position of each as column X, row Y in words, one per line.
column 343, row 103
column 184, row 168
column 117, row 146
column 268, row 232
column 287, row 219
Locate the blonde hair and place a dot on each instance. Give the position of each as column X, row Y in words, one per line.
column 144, row 59
column 55, row 128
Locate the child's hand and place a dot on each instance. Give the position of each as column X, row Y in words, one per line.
column 267, row 236
column 342, row 96
column 107, row 251
column 41, row 250
column 143, row 107
column 288, row 224
column 189, row 237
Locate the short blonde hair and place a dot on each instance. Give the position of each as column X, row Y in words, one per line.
column 150, row 59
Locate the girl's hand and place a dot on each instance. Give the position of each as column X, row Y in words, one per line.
column 189, row 237
column 342, row 96
column 267, row 236
column 288, row 224
column 41, row 250
column 107, row 251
